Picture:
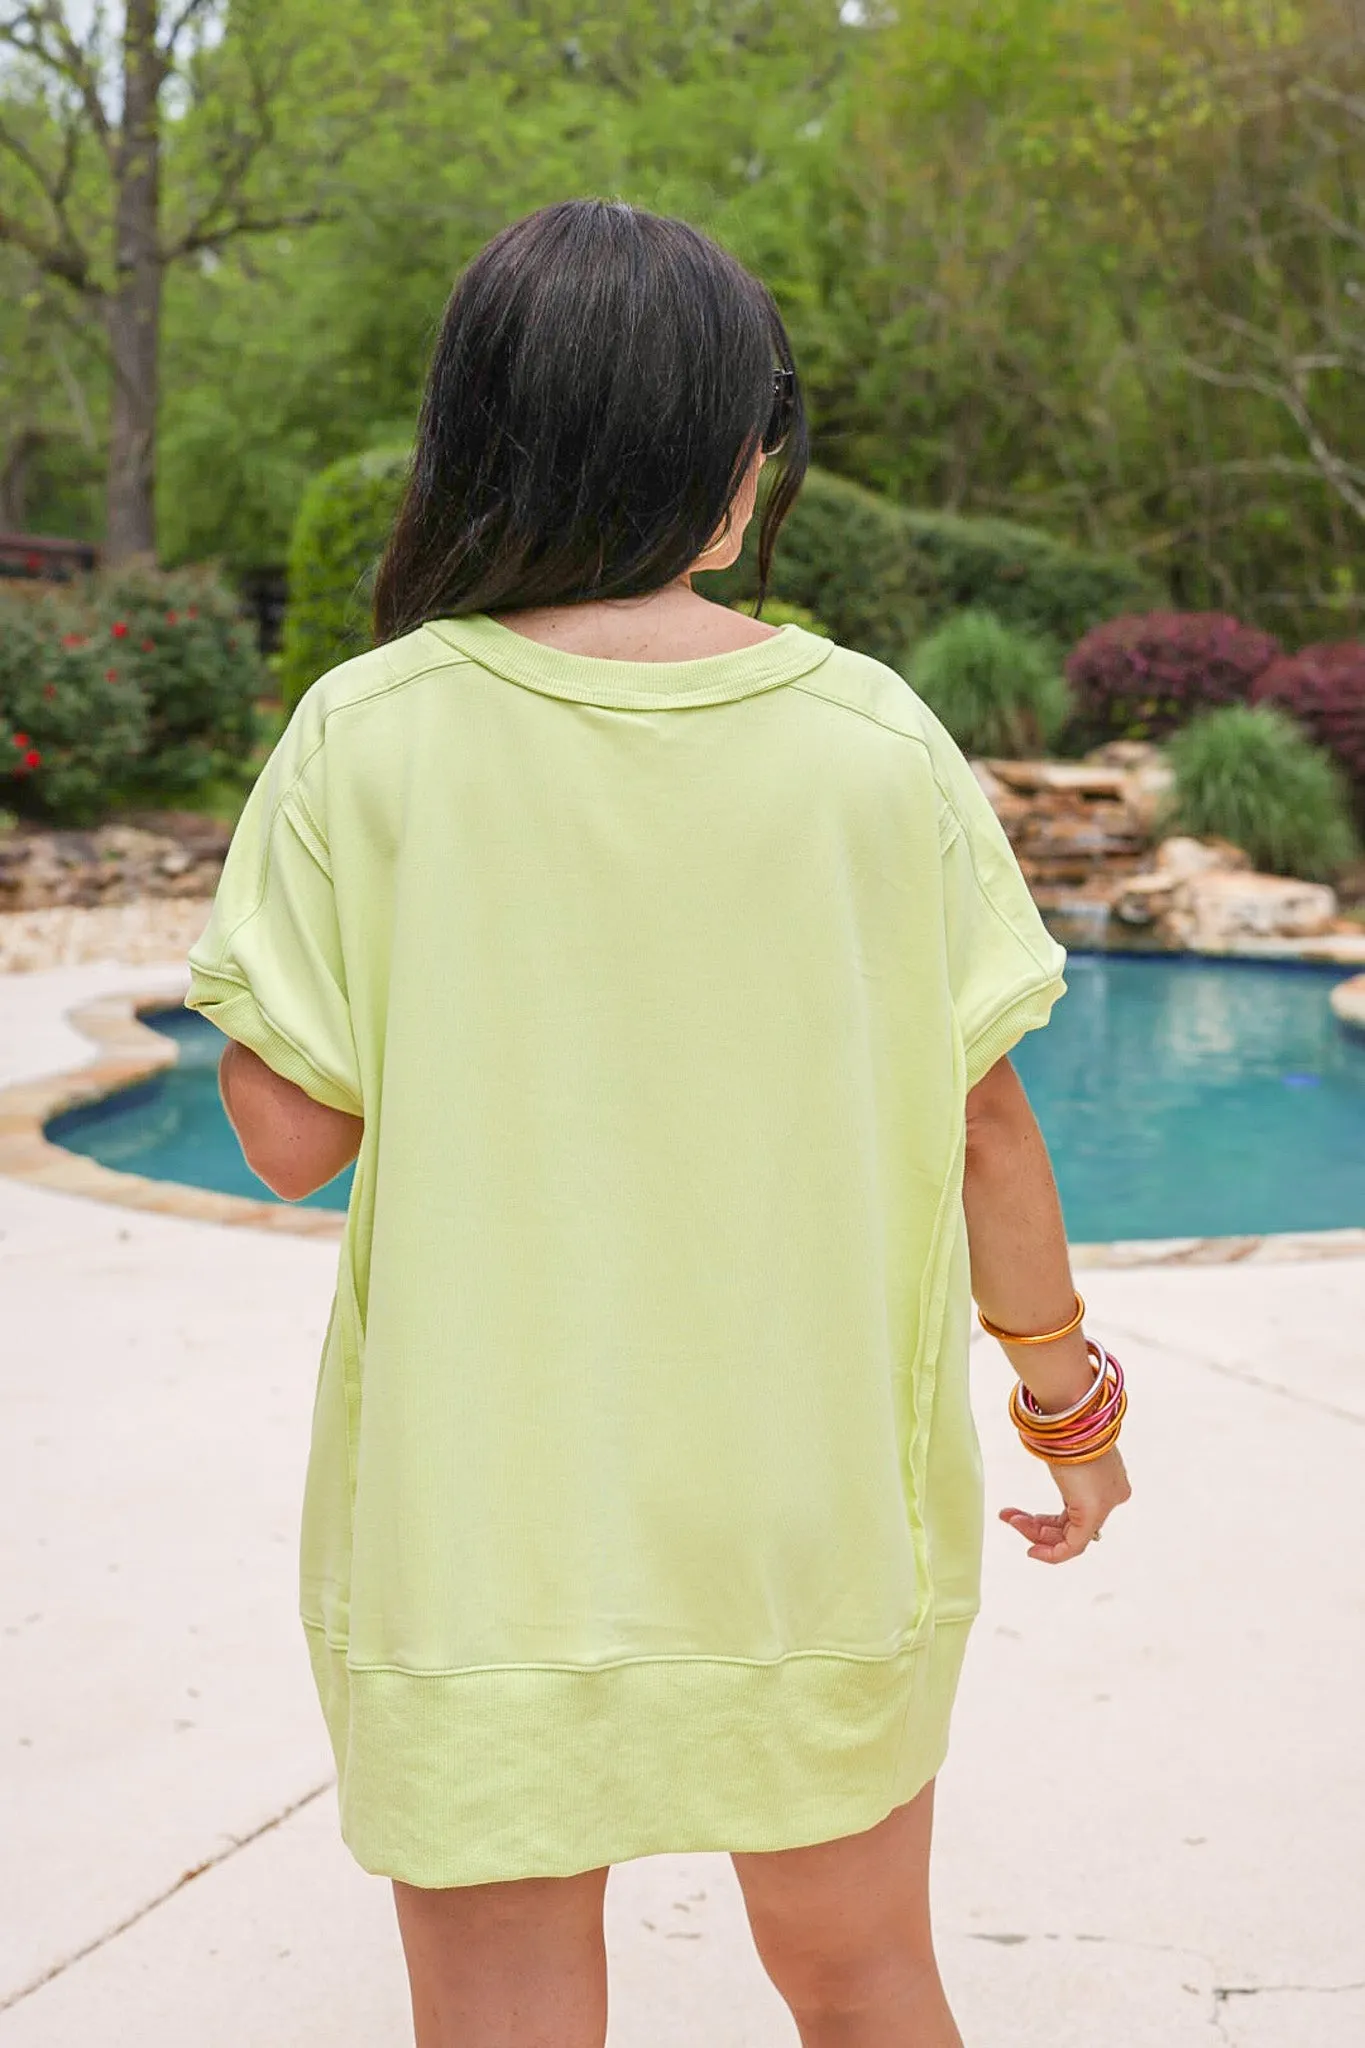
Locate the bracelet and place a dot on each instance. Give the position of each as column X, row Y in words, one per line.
column 1084, row 1432
column 1047, row 1337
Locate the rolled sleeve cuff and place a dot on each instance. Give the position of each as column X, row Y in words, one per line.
column 1002, row 1032
column 231, row 1006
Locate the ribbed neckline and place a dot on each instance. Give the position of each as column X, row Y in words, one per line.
column 644, row 685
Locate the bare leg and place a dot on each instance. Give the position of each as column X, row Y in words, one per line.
column 520, row 1965
column 842, row 1929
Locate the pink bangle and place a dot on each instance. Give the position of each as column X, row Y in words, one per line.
column 1099, row 1359
column 1087, row 1429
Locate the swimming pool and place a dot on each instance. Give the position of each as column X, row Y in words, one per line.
column 1180, row 1098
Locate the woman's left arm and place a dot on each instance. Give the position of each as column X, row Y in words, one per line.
column 295, row 1144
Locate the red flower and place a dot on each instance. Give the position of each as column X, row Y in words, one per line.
column 21, row 739
column 32, row 758
column 111, row 675
column 49, row 691
column 119, row 630
column 172, row 618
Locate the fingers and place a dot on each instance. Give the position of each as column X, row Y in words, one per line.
column 1052, row 1539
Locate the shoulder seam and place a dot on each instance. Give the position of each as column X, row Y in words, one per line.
column 856, row 710
column 956, row 826
column 396, row 682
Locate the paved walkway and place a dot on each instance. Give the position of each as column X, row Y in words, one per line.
column 1152, row 1828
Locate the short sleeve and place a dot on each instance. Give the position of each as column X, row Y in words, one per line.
column 269, row 970
column 1004, row 967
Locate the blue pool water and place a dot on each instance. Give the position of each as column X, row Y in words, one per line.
column 1180, row 1098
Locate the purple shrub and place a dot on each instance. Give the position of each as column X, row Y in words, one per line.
column 1323, row 690
column 1146, row 675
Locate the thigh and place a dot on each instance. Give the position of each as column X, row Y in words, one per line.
column 519, row 1965
column 855, row 1908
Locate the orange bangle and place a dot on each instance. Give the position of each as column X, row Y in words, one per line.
column 1047, row 1336
column 1101, row 1450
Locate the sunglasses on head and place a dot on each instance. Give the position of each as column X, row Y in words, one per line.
column 783, row 411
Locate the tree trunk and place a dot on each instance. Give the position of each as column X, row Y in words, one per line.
column 132, row 311
column 15, row 471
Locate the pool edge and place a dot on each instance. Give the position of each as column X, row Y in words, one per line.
column 131, row 1052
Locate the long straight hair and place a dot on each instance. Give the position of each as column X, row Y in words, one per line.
column 602, row 380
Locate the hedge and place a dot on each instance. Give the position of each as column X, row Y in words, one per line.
column 339, row 534
column 880, row 575
column 876, row 574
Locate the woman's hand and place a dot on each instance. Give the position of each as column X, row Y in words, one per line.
column 1090, row 1493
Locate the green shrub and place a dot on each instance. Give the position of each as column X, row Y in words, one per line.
column 1028, row 579
column 997, row 690
column 1248, row 774
column 73, row 722
column 879, row 574
column 842, row 554
column 186, row 645
column 776, row 613
column 342, row 525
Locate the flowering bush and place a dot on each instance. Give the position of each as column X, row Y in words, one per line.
column 141, row 680
column 181, row 637
column 1145, row 675
column 72, row 720
column 1323, row 690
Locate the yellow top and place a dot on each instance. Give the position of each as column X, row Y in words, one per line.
column 644, row 1507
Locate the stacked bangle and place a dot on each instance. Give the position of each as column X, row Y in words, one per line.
column 1044, row 1337
column 1082, row 1433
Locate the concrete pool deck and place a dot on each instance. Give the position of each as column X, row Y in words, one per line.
column 1152, row 1826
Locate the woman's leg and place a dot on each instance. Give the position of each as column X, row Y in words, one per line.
column 842, row 1929
column 520, row 1965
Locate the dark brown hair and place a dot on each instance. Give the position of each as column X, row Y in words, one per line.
column 602, row 379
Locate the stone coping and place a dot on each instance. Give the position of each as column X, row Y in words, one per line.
column 1348, row 1002
column 131, row 1052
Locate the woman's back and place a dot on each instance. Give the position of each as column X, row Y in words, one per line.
column 661, row 984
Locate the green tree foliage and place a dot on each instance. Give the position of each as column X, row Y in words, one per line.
column 718, row 111
column 1248, row 774
column 1090, row 271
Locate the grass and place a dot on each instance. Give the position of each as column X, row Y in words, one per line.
column 1249, row 774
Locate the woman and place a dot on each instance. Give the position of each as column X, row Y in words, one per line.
column 658, row 969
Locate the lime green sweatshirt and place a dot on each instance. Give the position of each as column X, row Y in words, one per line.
column 644, row 1506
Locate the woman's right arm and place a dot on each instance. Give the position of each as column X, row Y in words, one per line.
column 1021, row 1277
